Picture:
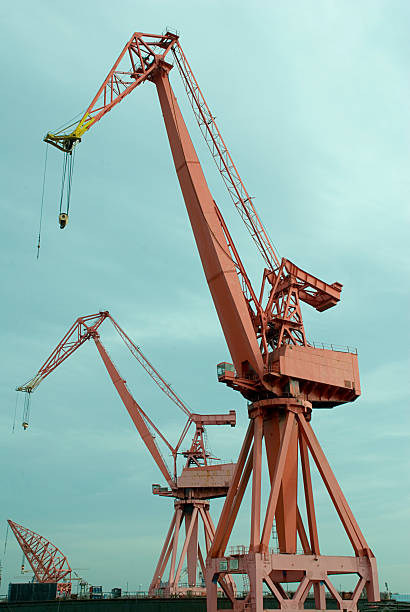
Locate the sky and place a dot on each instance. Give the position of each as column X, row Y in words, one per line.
column 312, row 100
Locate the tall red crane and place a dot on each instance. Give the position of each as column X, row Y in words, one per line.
column 199, row 480
column 47, row 561
column 280, row 373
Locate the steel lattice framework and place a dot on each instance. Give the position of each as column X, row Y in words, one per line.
column 47, row 561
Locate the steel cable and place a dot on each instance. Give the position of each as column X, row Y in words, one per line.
column 42, row 202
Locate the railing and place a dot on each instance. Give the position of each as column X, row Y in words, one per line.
column 238, row 550
column 334, row 347
column 243, row 550
column 401, row 604
column 391, row 605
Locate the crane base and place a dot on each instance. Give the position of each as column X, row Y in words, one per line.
column 307, row 571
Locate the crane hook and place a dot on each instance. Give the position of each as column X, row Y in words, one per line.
column 26, row 410
column 63, row 220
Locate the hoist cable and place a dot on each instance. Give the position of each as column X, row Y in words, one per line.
column 69, row 168
column 5, row 541
column 70, row 178
column 67, row 181
column 42, row 202
column 26, row 409
column 15, row 413
column 63, row 180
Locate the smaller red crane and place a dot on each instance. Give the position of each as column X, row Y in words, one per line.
column 198, row 482
column 47, row 561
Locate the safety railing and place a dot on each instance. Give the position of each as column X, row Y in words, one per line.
column 340, row 348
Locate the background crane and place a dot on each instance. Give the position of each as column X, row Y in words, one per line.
column 47, row 561
column 199, row 480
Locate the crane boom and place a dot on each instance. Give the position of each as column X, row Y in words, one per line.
column 134, row 411
column 219, row 268
column 47, row 561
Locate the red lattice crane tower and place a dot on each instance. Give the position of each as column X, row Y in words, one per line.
column 281, row 374
column 47, row 561
column 199, row 480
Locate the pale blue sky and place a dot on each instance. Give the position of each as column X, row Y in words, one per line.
column 312, row 99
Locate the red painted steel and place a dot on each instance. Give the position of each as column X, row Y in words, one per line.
column 274, row 367
column 47, row 561
column 198, row 481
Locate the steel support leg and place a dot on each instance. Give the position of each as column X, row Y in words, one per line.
column 285, row 425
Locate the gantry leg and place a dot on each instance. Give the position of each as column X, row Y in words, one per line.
column 284, row 423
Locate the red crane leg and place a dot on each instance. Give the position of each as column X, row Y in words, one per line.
column 201, row 561
column 283, row 438
column 256, row 588
column 319, row 595
column 346, row 516
column 192, row 550
column 218, row 266
column 358, row 591
column 229, row 586
column 190, row 512
column 277, row 481
column 224, row 528
column 277, row 589
column 286, row 523
column 302, row 534
column 163, row 559
column 256, row 483
column 334, row 592
column 209, row 530
column 189, row 532
column 286, row 510
column 237, row 502
column 310, row 506
column 178, row 520
column 162, row 569
column 301, row 592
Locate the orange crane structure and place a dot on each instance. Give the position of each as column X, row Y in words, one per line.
column 282, row 375
column 199, row 480
column 47, row 561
